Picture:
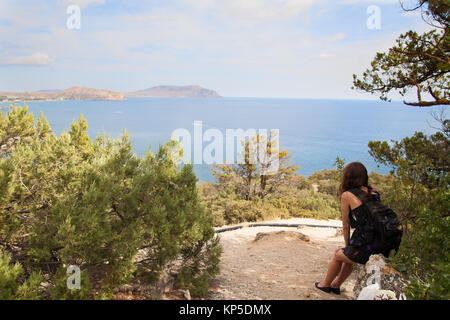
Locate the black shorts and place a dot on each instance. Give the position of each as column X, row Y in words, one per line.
column 358, row 254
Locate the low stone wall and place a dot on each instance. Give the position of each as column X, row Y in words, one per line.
column 376, row 280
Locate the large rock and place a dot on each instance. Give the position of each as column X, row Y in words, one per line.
column 150, row 291
column 390, row 283
column 281, row 236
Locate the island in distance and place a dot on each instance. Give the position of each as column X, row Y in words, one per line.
column 174, row 92
column 82, row 93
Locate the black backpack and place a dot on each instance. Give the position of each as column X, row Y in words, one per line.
column 386, row 229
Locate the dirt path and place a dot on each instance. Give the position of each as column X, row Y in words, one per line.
column 279, row 265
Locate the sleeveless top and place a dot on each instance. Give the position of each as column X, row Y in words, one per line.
column 360, row 246
column 359, row 249
column 359, row 221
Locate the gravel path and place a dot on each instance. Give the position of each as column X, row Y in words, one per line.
column 280, row 265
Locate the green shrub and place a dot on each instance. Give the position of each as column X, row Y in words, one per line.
column 330, row 187
column 420, row 196
column 69, row 200
column 383, row 183
column 60, row 290
column 14, row 285
column 299, row 182
column 228, row 209
column 200, row 264
column 325, row 174
column 309, row 204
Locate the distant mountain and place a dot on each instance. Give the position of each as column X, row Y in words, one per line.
column 74, row 93
column 49, row 90
column 80, row 93
column 173, row 92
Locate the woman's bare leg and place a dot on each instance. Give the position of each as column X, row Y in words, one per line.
column 346, row 270
column 335, row 268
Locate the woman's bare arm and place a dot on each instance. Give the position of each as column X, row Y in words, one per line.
column 345, row 210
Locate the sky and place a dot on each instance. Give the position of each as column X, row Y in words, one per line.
column 240, row 48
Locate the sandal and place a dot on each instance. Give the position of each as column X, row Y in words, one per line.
column 335, row 290
column 324, row 289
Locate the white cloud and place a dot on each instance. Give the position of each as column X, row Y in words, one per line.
column 36, row 59
column 338, row 37
column 240, row 47
column 81, row 3
column 267, row 9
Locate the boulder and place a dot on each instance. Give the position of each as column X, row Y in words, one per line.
column 381, row 281
column 384, row 295
column 186, row 294
column 149, row 290
column 281, row 236
column 165, row 284
column 339, row 233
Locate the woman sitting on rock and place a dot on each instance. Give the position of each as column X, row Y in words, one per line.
column 356, row 215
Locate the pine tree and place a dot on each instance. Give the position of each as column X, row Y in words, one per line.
column 69, row 200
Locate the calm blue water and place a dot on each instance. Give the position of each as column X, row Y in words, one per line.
column 314, row 131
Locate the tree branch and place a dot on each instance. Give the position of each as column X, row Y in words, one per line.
column 441, row 101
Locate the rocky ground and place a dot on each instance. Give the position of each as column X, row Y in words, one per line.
column 278, row 263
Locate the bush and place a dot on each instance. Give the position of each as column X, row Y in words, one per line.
column 200, row 264
column 229, row 208
column 60, row 291
column 308, row 204
column 324, row 175
column 329, row 187
column 69, row 200
column 381, row 182
column 13, row 283
column 420, row 195
column 299, row 182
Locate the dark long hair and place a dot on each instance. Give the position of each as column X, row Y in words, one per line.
column 354, row 176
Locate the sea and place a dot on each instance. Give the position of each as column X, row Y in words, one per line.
column 314, row 132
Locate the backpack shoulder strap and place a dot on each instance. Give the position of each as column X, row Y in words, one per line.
column 361, row 195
